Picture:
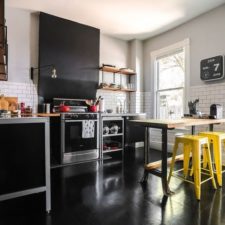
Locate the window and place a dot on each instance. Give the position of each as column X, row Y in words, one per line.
column 170, row 74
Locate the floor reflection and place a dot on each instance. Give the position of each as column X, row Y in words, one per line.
column 109, row 193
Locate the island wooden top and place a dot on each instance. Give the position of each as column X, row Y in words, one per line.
column 177, row 123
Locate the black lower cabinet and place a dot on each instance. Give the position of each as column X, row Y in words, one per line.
column 22, row 157
column 133, row 133
column 55, row 150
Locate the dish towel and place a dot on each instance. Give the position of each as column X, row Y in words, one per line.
column 88, row 129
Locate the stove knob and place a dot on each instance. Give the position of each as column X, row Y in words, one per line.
column 86, row 116
column 75, row 116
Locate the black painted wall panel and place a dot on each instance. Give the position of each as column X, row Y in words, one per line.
column 74, row 50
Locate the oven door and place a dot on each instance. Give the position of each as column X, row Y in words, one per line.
column 74, row 147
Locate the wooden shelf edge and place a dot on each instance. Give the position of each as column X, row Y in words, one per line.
column 116, row 70
column 124, row 72
column 109, row 69
column 47, row 114
column 117, row 89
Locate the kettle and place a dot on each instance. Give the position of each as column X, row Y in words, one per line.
column 64, row 108
column 216, row 111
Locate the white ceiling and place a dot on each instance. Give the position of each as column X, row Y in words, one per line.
column 124, row 19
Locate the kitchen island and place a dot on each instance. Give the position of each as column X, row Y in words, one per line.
column 164, row 126
column 25, row 158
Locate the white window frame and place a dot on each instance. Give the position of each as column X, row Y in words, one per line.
column 185, row 44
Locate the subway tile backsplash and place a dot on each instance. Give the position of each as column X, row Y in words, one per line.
column 135, row 102
column 26, row 92
column 209, row 94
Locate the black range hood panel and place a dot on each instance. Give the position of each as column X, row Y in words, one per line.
column 73, row 48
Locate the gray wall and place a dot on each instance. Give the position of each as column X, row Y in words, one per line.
column 23, row 43
column 136, row 62
column 23, row 28
column 113, row 51
column 207, row 39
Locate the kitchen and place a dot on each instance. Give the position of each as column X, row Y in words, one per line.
column 23, row 44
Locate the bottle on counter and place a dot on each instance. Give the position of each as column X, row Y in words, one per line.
column 101, row 105
column 22, row 107
column 119, row 107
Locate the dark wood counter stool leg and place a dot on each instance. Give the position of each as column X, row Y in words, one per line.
column 146, row 154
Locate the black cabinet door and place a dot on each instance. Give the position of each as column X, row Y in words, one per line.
column 133, row 133
column 22, row 157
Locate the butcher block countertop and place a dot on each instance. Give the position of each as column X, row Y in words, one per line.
column 102, row 114
column 176, row 123
column 47, row 114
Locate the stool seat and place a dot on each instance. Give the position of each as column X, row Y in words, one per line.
column 215, row 137
column 192, row 144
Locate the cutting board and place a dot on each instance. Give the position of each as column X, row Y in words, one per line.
column 8, row 103
column 4, row 105
column 13, row 102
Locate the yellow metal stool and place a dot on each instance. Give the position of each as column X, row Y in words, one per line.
column 215, row 138
column 193, row 144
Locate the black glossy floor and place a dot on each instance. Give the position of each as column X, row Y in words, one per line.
column 110, row 194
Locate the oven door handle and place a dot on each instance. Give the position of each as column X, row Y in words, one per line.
column 72, row 121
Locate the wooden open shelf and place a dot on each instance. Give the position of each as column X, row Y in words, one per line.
column 109, row 88
column 127, row 72
column 116, row 70
column 109, row 69
column 116, row 89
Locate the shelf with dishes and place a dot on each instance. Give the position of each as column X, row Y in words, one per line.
column 112, row 145
column 117, row 88
column 112, row 135
column 113, row 70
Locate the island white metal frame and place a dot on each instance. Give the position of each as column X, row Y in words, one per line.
column 47, row 187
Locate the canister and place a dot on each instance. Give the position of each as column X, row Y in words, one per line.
column 102, row 105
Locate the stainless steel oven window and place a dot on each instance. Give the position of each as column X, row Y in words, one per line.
column 71, row 153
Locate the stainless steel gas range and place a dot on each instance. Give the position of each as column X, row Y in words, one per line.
column 79, row 133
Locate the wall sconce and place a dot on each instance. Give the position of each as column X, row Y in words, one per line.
column 53, row 71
